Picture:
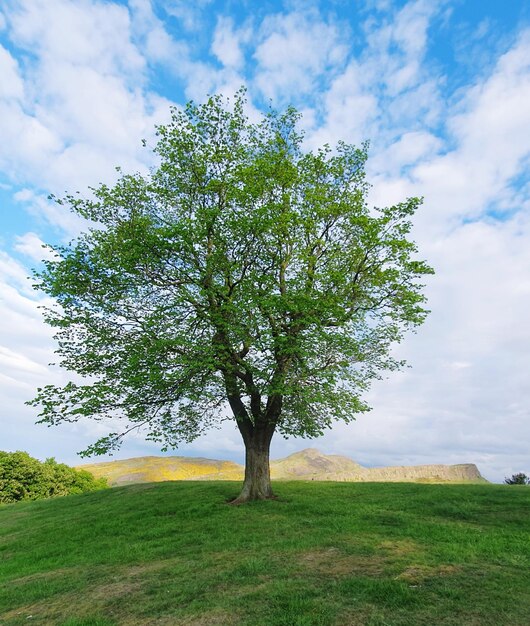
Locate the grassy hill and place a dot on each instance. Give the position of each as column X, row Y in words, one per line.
column 322, row 554
column 145, row 469
column 309, row 464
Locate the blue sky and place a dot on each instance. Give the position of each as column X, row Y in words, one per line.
column 440, row 88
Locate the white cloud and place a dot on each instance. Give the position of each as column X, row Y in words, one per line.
column 459, row 365
column 32, row 246
column 466, row 175
column 396, row 50
column 27, row 144
column 85, row 108
column 491, row 147
column 11, row 86
column 91, row 33
column 157, row 44
column 294, row 53
column 227, row 42
column 49, row 212
column 200, row 77
column 350, row 110
column 12, row 360
column 386, row 91
column 407, row 150
column 188, row 13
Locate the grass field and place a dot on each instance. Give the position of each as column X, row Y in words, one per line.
column 323, row 554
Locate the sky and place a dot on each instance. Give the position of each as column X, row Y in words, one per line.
column 440, row 88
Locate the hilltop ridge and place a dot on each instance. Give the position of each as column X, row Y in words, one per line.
column 308, row 464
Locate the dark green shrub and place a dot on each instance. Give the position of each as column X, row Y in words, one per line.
column 24, row 478
column 518, row 479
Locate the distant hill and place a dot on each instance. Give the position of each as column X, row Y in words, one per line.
column 146, row 469
column 309, row 464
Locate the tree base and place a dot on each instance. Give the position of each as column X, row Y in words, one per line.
column 245, row 500
column 257, row 482
column 254, row 490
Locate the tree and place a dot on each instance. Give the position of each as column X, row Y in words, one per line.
column 24, row 478
column 243, row 274
column 518, row 479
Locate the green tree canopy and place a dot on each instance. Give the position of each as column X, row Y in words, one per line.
column 24, row 478
column 243, row 276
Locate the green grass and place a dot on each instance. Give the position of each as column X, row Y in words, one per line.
column 323, row 554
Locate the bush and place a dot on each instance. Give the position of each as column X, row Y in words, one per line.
column 518, row 479
column 24, row 478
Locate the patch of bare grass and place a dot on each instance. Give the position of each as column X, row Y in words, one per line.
column 110, row 585
column 418, row 574
column 333, row 562
column 400, row 548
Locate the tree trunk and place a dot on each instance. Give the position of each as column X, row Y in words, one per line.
column 257, row 484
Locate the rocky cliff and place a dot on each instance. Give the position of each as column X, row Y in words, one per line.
column 310, row 464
